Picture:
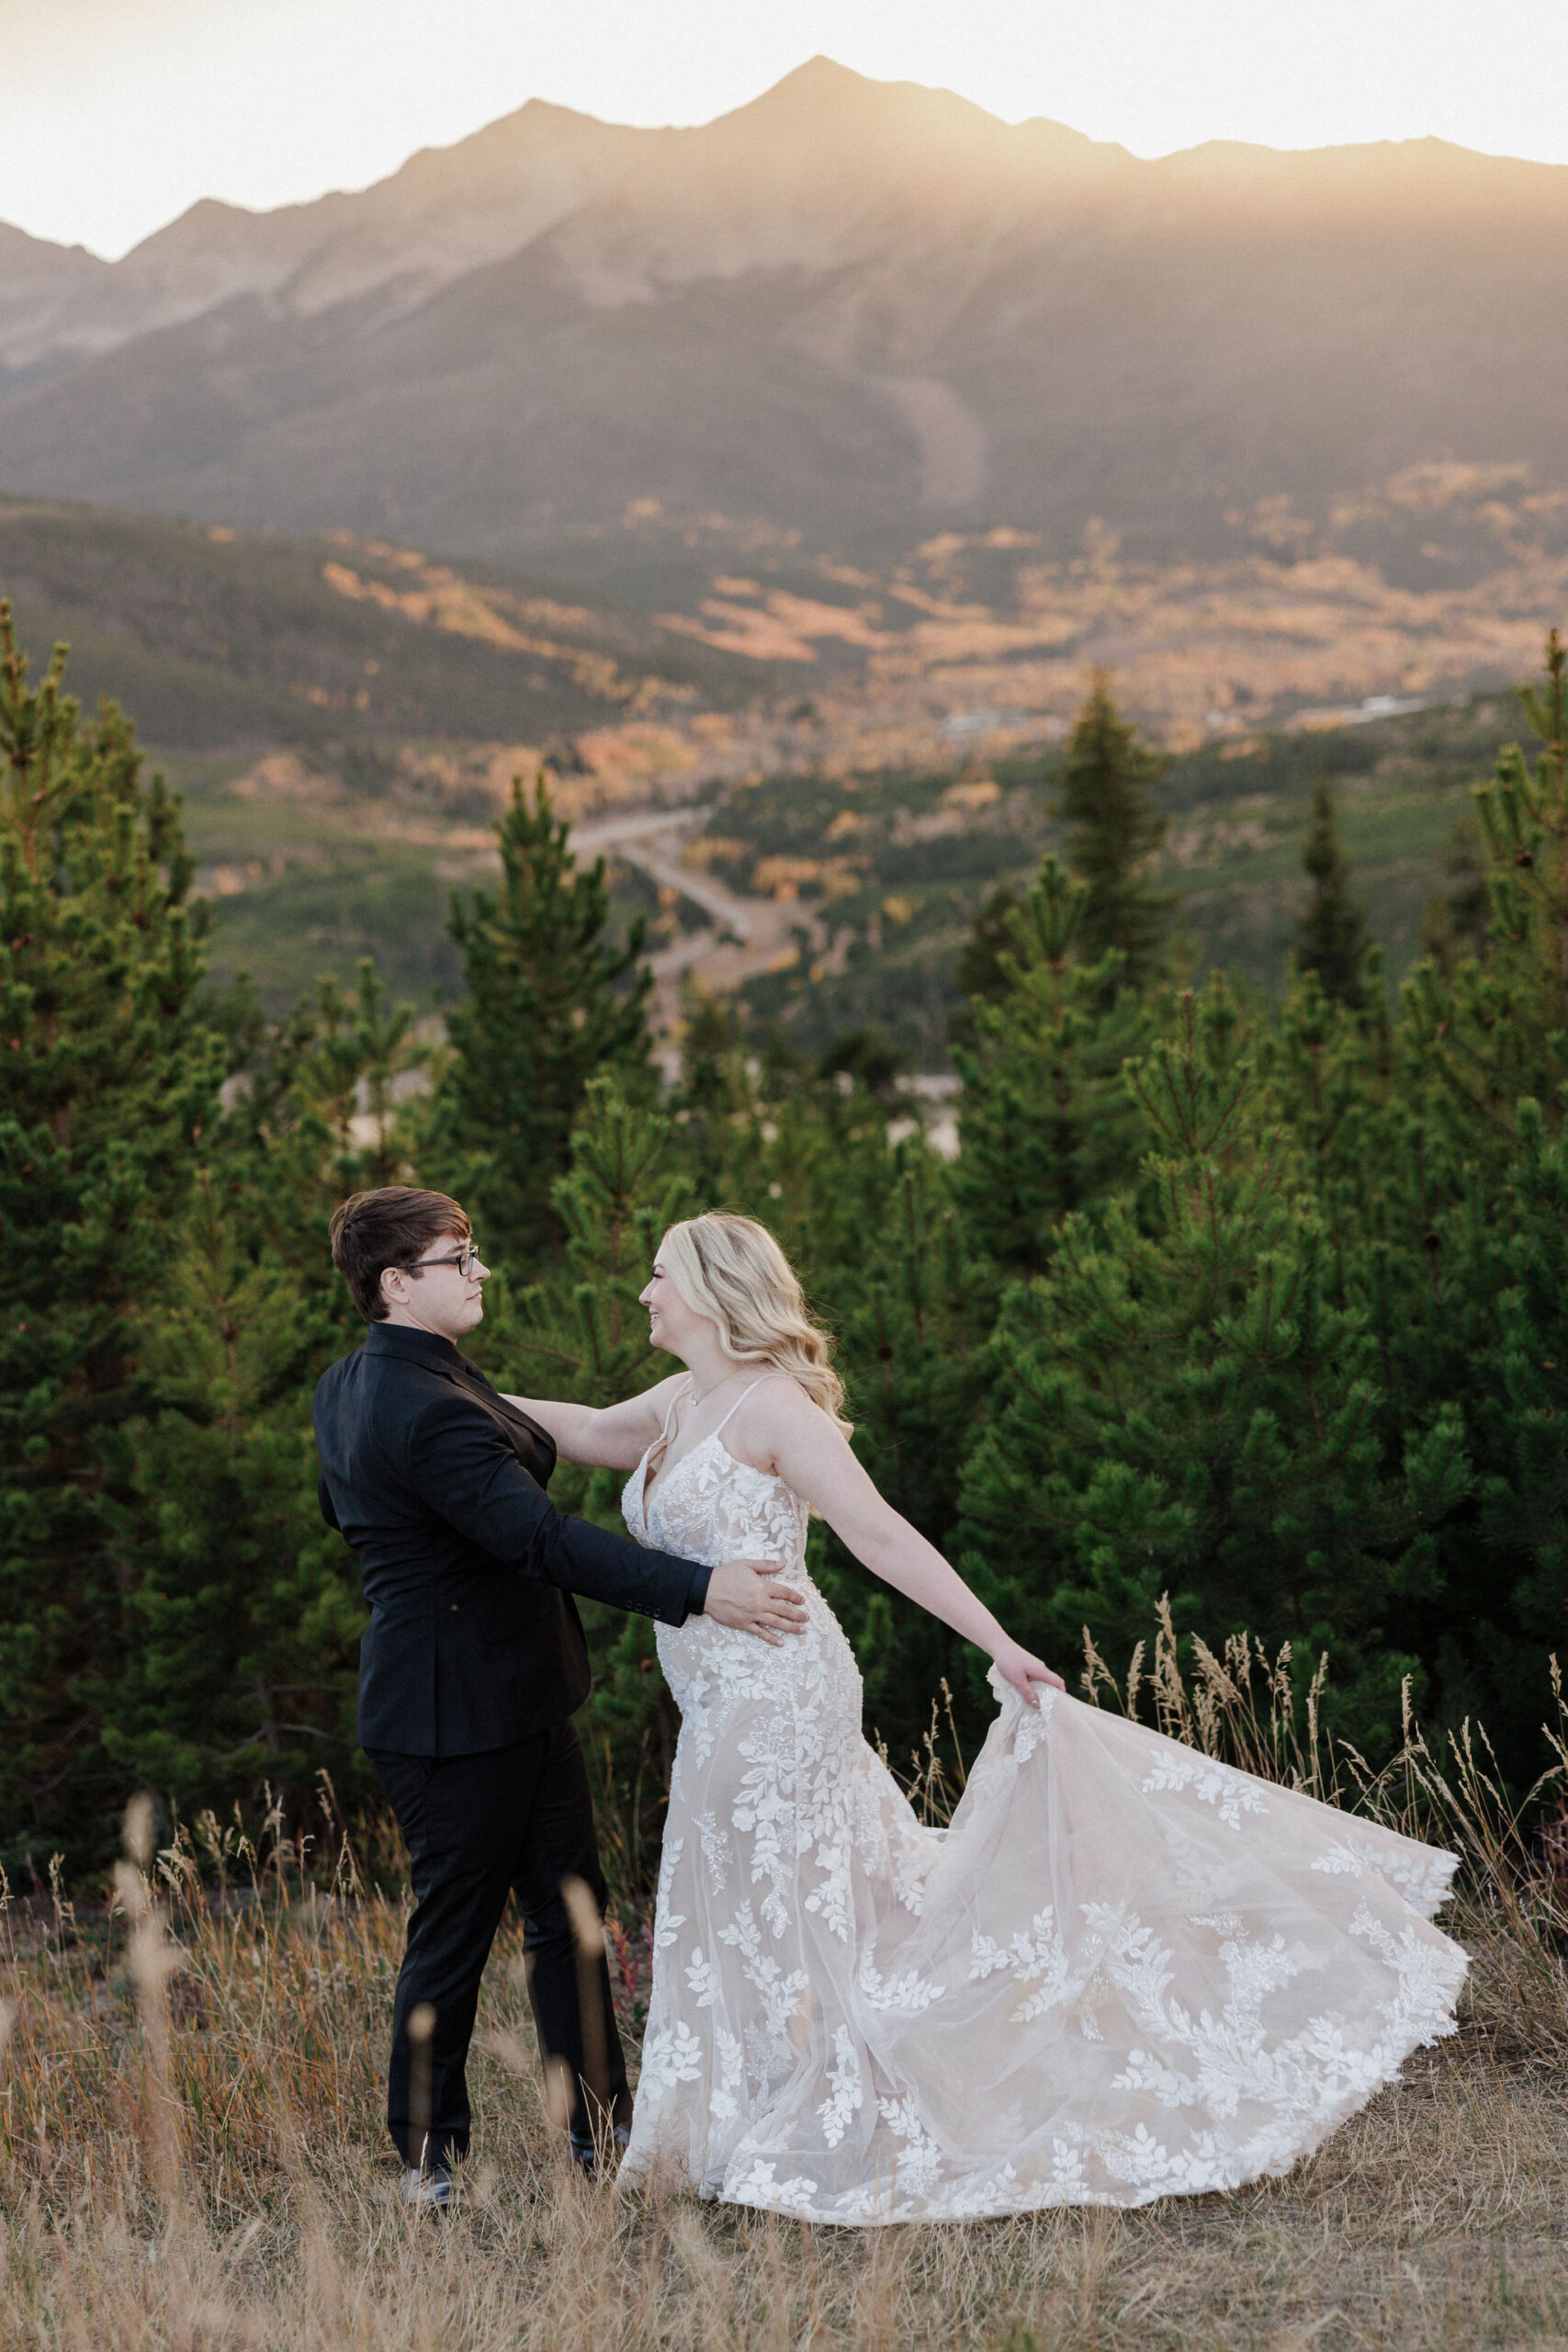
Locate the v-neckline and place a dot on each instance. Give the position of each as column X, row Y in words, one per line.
column 645, row 1494
column 665, row 1470
column 665, row 1465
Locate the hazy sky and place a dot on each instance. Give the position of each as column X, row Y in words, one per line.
column 117, row 114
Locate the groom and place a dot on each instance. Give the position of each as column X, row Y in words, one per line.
column 474, row 1661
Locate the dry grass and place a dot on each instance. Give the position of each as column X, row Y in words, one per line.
column 191, row 2151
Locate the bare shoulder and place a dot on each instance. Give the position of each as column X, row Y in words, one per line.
column 775, row 1419
column 650, row 1404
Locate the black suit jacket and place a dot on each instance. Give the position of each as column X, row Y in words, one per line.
column 439, row 1484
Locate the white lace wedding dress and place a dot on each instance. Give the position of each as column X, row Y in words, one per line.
column 1124, row 1971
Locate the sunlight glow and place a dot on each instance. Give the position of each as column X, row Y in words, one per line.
column 115, row 114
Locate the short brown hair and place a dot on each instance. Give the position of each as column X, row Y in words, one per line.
column 391, row 1226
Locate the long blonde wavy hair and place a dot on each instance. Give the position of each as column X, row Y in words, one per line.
column 731, row 1270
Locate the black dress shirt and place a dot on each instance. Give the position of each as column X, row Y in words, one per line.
column 468, row 1567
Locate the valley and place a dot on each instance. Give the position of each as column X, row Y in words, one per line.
column 830, row 902
column 806, row 797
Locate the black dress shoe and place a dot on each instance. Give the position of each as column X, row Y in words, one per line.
column 429, row 2192
column 585, row 2151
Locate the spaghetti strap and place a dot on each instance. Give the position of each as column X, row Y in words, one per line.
column 661, row 1445
column 744, row 1394
column 668, row 1410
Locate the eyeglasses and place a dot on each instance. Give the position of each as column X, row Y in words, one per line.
column 466, row 1258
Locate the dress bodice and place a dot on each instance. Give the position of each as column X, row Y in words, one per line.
column 708, row 1506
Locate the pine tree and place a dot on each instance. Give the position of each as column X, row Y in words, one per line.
column 550, row 1002
column 1180, row 1406
column 910, row 1313
column 1497, row 1032
column 580, row 1334
column 1331, row 1070
column 1524, row 1403
column 351, row 1059
column 245, row 1609
column 318, row 1107
column 108, row 1080
column 1331, row 936
column 1104, row 797
column 1047, row 1125
column 715, row 1089
column 1453, row 921
column 869, row 1058
column 242, row 1608
column 979, row 971
column 710, row 1051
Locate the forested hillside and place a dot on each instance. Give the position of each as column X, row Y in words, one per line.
column 1258, row 1303
column 220, row 642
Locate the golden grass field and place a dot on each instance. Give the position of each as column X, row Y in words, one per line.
column 192, row 2154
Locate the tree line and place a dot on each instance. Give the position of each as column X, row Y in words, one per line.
column 1260, row 1304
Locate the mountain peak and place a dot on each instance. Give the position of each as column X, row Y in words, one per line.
column 825, row 100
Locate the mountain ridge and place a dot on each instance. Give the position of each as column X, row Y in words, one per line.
column 836, row 319
column 215, row 250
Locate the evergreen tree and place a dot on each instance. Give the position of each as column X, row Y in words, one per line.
column 715, row 1088
column 1104, row 797
column 1497, row 1032
column 1525, row 1403
column 867, row 1057
column 1047, row 1125
column 980, row 970
column 349, row 1063
column 711, row 1050
column 316, row 1110
column 911, row 1316
column 242, row 1610
column 1180, row 1406
column 1331, row 936
column 550, row 1002
column 245, row 1608
column 580, row 1334
column 1453, row 921
column 108, row 1080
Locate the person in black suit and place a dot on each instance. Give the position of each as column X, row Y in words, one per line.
column 474, row 1662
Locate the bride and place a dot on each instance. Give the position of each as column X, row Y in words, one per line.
column 1124, row 1971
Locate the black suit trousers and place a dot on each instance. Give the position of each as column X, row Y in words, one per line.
column 515, row 1820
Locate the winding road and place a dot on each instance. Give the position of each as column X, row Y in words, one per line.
column 752, row 935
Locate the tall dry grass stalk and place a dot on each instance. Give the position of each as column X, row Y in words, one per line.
column 192, row 2156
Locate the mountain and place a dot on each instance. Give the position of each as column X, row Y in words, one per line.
column 840, row 320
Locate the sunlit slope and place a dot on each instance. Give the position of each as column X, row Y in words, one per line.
column 210, row 639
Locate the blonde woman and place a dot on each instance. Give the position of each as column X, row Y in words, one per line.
column 1124, row 1970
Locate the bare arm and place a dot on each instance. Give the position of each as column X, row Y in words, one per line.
column 744, row 1594
column 614, row 1437
column 781, row 1430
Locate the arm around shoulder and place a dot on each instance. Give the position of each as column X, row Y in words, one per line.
column 610, row 1437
